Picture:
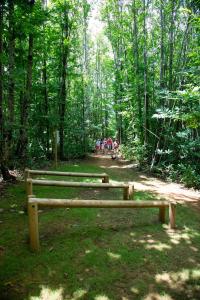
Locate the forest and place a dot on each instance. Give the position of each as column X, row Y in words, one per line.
column 99, row 149
column 133, row 74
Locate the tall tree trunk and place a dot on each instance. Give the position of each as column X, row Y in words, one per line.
column 137, row 72
column 25, row 103
column 46, row 103
column 25, row 99
column 162, row 49
column 3, row 156
column 171, row 45
column 63, row 91
column 146, row 102
column 11, row 83
column 1, row 82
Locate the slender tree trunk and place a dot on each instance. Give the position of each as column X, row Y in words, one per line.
column 146, row 102
column 11, row 83
column 25, row 103
column 1, row 83
column 137, row 72
column 3, row 156
column 45, row 90
column 171, row 45
column 162, row 63
column 63, row 90
column 85, row 103
column 46, row 103
column 25, row 98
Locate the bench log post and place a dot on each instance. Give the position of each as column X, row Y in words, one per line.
column 29, row 187
column 26, row 176
column 126, row 193
column 172, row 215
column 162, row 214
column 105, row 179
column 33, row 226
column 130, row 191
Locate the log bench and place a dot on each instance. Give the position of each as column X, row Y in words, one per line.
column 35, row 203
column 103, row 176
column 127, row 188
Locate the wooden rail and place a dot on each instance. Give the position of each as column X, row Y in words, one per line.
column 128, row 188
column 34, row 203
column 103, row 176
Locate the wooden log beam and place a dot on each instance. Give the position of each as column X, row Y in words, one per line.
column 33, row 226
column 97, row 203
column 76, row 184
column 128, row 189
column 34, row 203
column 104, row 176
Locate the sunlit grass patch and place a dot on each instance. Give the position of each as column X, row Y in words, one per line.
column 89, row 253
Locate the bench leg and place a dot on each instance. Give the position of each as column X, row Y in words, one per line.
column 29, row 188
column 105, row 179
column 131, row 191
column 126, row 193
column 162, row 214
column 33, row 226
column 172, row 215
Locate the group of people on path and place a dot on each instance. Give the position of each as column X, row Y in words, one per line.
column 107, row 145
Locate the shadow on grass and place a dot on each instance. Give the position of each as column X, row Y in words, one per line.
column 100, row 254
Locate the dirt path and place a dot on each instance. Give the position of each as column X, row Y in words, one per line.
column 128, row 171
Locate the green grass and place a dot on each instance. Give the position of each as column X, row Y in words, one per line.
column 97, row 253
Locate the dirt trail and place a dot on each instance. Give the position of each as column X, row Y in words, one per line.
column 142, row 182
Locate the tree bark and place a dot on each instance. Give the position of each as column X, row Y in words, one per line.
column 146, row 102
column 1, row 83
column 11, row 82
column 46, row 103
column 1, row 79
column 63, row 91
column 171, row 45
column 162, row 49
column 137, row 71
column 25, row 103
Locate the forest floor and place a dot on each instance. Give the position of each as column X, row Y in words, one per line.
column 145, row 182
column 101, row 254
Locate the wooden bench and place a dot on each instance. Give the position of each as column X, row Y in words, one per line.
column 103, row 176
column 128, row 188
column 34, row 203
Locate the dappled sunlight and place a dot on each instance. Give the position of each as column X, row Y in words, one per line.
column 156, row 296
column 78, row 294
column 101, row 297
column 186, row 235
column 114, row 256
column 135, row 290
column 132, row 234
column 150, row 243
column 58, row 294
column 128, row 166
column 142, row 182
column 177, row 280
column 171, row 191
column 47, row 293
column 88, row 251
column 159, row 246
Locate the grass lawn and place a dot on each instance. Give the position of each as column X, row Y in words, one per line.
column 100, row 254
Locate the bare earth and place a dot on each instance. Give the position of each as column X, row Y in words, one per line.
column 143, row 182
